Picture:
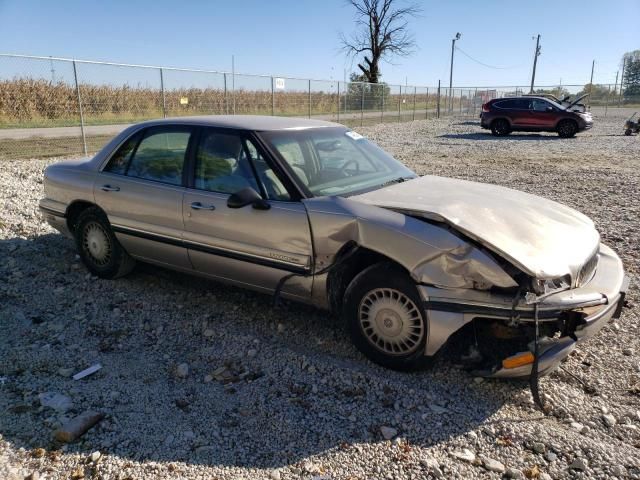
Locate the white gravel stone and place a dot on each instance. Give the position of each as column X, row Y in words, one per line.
column 465, row 455
column 388, row 432
column 265, row 411
column 182, row 370
column 609, row 420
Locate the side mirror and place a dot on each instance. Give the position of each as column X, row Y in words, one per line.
column 247, row 196
column 549, row 109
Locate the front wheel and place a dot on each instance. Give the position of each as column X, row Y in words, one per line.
column 385, row 316
column 99, row 248
column 567, row 128
column 500, row 128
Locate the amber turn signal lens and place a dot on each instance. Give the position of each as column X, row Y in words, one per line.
column 517, row 360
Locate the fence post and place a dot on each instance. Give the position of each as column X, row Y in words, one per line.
column 226, row 101
column 606, row 105
column 309, row 98
column 362, row 104
column 382, row 109
column 75, row 77
column 273, row 99
column 399, row 104
column 426, row 106
column 475, row 95
column 414, row 102
column 338, row 101
column 164, row 100
column 438, row 106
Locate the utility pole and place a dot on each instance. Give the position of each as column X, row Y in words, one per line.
column 615, row 85
column 593, row 64
column 535, row 63
column 453, row 46
column 624, row 64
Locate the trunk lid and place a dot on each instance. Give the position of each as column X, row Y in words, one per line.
column 541, row 237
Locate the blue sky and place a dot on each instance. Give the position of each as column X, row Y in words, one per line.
column 301, row 38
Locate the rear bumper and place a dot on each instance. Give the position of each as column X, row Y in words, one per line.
column 54, row 214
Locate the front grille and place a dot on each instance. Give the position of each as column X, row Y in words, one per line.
column 587, row 271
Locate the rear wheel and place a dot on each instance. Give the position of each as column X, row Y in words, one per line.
column 385, row 316
column 500, row 128
column 99, row 248
column 627, row 132
column 567, row 128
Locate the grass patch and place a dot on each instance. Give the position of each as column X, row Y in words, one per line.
column 40, row 147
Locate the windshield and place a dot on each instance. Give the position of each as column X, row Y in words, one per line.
column 336, row 161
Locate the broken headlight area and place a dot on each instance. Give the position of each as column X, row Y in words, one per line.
column 546, row 286
column 488, row 345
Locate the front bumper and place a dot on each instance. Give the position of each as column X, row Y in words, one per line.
column 598, row 301
column 556, row 350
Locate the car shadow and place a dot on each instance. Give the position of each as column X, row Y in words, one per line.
column 266, row 387
column 512, row 136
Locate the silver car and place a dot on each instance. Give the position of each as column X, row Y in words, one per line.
column 314, row 212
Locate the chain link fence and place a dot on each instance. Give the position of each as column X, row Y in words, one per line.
column 61, row 107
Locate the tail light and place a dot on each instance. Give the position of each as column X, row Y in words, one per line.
column 485, row 107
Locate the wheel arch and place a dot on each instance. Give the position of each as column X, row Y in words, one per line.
column 339, row 278
column 502, row 117
column 74, row 210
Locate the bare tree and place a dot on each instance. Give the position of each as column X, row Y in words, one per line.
column 381, row 32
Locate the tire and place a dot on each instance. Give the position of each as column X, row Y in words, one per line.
column 99, row 248
column 567, row 128
column 627, row 132
column 500, row 127
column 386, row 289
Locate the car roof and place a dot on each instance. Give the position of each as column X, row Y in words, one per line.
column 246, row 122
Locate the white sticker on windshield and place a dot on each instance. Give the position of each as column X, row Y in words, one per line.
column 353, row 135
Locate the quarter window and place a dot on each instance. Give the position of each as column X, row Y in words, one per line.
column 160, row 157
column 120, row 160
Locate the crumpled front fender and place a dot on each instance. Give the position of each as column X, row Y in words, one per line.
column 430, row 253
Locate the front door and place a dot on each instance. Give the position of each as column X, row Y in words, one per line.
column 543, row 114
column 141, row 190
column 247, row 246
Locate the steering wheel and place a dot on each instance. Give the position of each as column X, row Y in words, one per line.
column 343, row 169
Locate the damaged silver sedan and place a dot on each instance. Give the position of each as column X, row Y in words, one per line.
column 313, row 212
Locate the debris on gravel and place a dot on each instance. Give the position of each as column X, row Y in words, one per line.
column 202, row 380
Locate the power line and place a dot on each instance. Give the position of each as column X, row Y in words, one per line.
column 484, row 64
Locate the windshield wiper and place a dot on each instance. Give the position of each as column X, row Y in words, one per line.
column 395, row 180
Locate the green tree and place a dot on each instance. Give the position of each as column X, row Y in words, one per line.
column 631, row 80
column 596, row 92
column 373, row 93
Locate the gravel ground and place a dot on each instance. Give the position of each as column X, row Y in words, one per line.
column 201, row 380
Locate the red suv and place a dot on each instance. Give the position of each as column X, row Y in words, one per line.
column 534, row 114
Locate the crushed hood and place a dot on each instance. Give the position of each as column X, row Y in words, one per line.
column 541, row 237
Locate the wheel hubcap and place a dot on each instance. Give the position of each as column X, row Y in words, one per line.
column 390, row 321
column 95, row 242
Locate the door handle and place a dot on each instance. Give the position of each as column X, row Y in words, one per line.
column 199, row 206
column 109, row 188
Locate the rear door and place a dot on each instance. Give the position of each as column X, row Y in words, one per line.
column 141, row 189
column 247, row 246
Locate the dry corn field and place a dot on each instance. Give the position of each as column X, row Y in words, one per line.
column 29, row 102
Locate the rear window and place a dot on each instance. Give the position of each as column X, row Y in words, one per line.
column 513, row 104
column 160, row 157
